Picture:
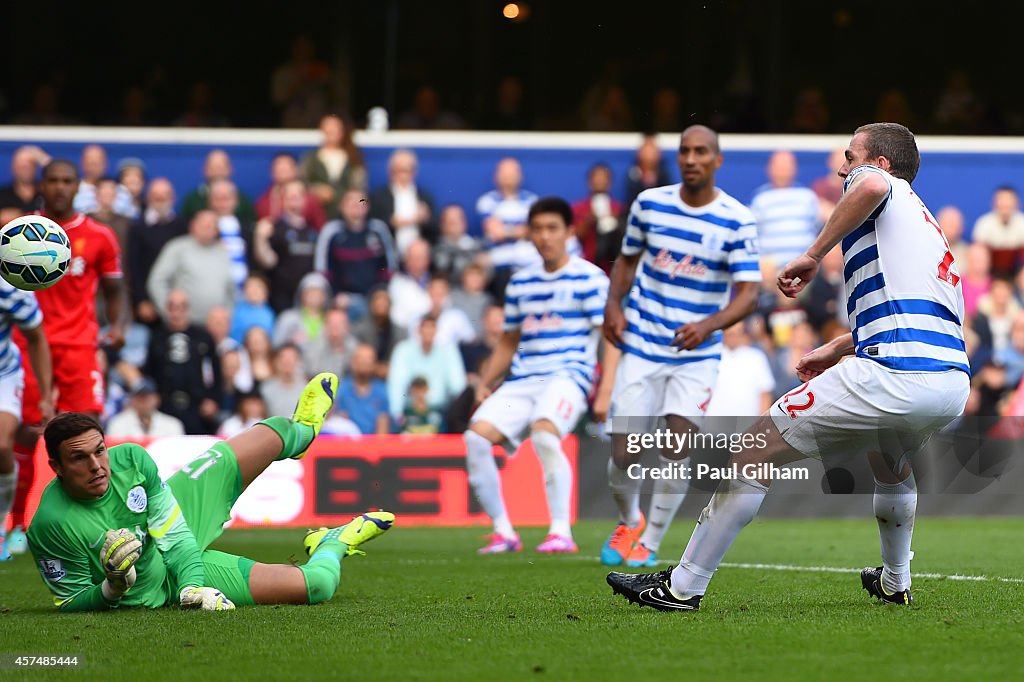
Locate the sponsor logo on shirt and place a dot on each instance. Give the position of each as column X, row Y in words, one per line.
column 534, row 323
column 665, row 261
column 53, row 570
column 137, row 499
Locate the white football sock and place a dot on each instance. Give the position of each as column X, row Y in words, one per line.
column 668, row 495
column 486, row 481
column 895, row 506
column 8, row 485
column 626, row 493
column 557, row 479
column 732, row 507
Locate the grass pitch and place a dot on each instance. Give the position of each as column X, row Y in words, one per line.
column 423, row 606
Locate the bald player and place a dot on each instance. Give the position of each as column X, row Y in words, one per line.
column 689, row 268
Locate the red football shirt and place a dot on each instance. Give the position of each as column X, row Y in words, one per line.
column 69, row 306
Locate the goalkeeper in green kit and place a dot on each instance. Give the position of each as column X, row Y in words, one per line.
column 109, row 533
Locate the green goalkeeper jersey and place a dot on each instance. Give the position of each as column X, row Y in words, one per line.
column 66, row 535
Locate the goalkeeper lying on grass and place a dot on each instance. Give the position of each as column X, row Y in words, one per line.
column 109, row 533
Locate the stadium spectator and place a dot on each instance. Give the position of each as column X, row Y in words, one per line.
column 302, row 323
column 786, row 212
column 997, row 311
column 893, row 105
column 598, row 219
column 509, row 110
column 825, row 299
column 157, row 225
column 475, row 352
column 302, row 88
column 332, row 349
column 234, row 234
column 283, row 249
column 418, row 416
column 355, row 254
column 454, row 249
column 648, row 170
column 453, row 326
column 196, row 263
column 362, row 395
column 786, row 314
column 184, row 364
column 252, row 309
column 502, row 212
column 282, row 390
column 94, row 163
column 408, row 288
column 428, row 114
column 403, row 204
column 470, row 296
column 440, row 364
column 284, row 168
column 1010, row 358
column 829, row 187
column 260, row 351
column 250, row 409
column 103, row 211
column 142, row 417
column 131, row 174
column 218, row 324
column 745, row 385
column 23, row 192
column 217, row 166
column 236, row 378
column 958, row 109
column 665, row 114
column 1002, row 231
column 606, row 108
column 951, row 220
column 378, row 331
column 336, row 166
column 199, row 110
column 810, row 112
column 976, row 276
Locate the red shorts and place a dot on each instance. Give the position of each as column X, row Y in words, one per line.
column 76, row 376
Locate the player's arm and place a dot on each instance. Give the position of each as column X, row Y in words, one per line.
column 497, row 364
column 167, row 526
column 823, row 357
column 67, row 573
column 610, row 355
column 117, row 311
column 744, row 302
column 39, row 357
column 866, row 191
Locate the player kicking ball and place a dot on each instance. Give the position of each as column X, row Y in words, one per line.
column 109, row 533
column 904, row 372
column 553, row 314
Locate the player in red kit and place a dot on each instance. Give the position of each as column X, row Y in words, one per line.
column 70, row 324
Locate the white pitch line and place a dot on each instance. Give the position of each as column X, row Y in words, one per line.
column 748, row 566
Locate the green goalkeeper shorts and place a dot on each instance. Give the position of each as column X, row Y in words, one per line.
column 206, row 489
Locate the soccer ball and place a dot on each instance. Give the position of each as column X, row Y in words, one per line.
column 34, row 252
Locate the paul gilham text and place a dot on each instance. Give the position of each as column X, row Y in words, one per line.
column 765, row 471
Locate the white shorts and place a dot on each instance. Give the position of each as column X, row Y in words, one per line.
column 516, row 405
column 645, row 391
column 859, row 406
column 12, row 388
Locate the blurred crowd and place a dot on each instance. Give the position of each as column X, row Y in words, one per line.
column 304, row 87
column 237, row 300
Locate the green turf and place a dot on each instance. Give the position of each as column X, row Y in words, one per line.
column 421, row 605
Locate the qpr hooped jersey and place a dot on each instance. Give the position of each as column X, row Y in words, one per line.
column 558, row 315
column 690, row 257
column 905, row 301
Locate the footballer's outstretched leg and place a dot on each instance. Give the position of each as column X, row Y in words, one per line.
column 283, row 438
column 651, row 589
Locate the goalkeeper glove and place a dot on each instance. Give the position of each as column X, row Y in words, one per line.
column 205, row 598
column 118, row 556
